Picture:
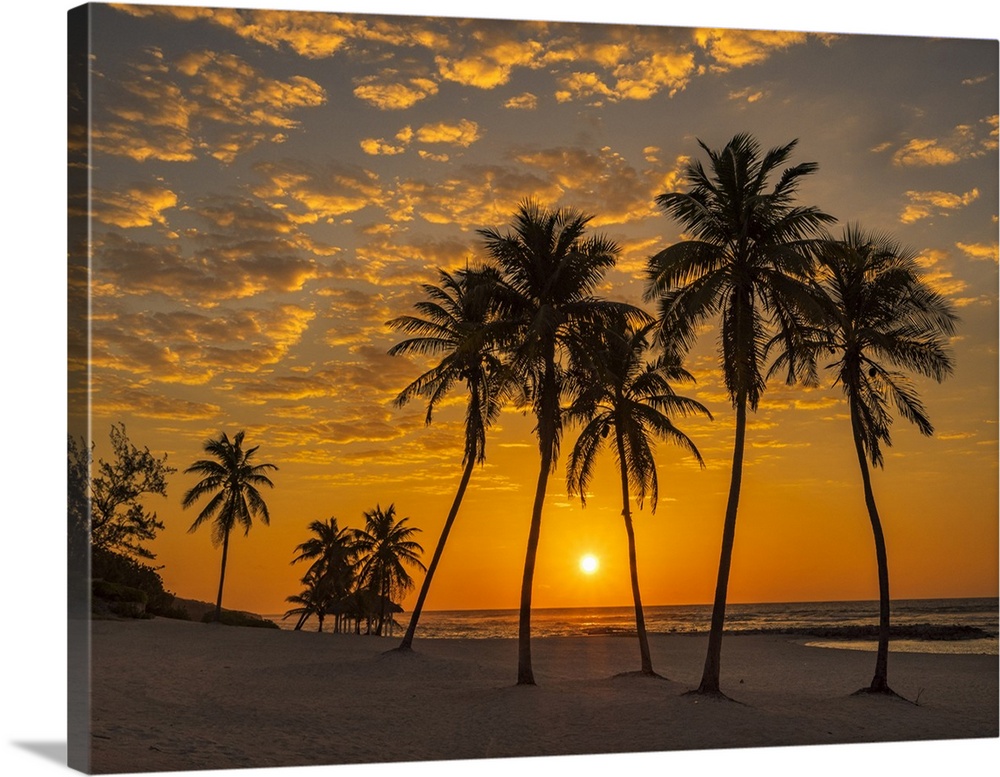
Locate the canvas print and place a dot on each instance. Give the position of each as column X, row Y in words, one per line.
column 456, row 388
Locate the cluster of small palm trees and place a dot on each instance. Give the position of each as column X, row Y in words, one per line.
column 525, row 326
column 356, row 575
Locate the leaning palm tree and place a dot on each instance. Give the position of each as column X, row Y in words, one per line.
column 233, row 478
column 547, row 271
column 620, row 392
column 317, row 598
column 385, row 550
column 453, row 322
column 747, row 261
column 882, row 319
column 332, row 553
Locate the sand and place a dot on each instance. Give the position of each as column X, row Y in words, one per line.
column 174, row 695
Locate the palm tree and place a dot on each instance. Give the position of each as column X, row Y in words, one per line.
column 385, row 548
column 455, row 314
column 233, row 478
column 332, row 553
column 747, row 261
column 619, row 391
column 881, row 319
column 317, row 598
column 547, row 271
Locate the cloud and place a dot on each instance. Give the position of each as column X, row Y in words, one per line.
column 471, row 196
column 926, row 204
column 749, row 95
column 205, row 276
column 601, row 183
column 379, row 147
column 391, row 91
column 139, row 205
column 731, row 49
column 943, row 282
column 323, row 192
column 491, row 52
column 311, row 35
column 582, row 86
column 668, row 71
column 965, row 142
column 984, row 251
column 924, row 153
column 464, row 134
column 192, row 348
column 524, row 102
column 114, row 398
column 360, row 316
column 202, row 103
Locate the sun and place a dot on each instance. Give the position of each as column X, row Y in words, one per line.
column 589, row 564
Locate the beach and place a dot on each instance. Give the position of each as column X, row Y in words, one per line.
column 176, row 695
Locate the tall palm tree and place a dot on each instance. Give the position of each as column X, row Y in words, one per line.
column 882, row 319
column 747, row 261
column 453, row 322
column 332, row 553
column 621, row 392
column 234, row 479
column 386, row 549
column 547, row 271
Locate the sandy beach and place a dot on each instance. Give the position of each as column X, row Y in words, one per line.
column 174, row 695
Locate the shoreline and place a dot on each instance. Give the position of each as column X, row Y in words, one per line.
column 176, row 695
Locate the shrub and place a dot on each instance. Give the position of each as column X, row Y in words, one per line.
column 231, row 618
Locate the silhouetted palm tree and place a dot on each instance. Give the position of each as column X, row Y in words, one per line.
column 332, row 553
column 620, row 392
column 385, row 549
column 233, row 478
column 882, row 319
column 747, row 261
column 317, row 598
column 453, row 322
column 547, row 272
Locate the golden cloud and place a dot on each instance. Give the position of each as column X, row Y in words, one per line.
column 657, row 72
column 582, row 86
column 326, row 193
column 604, row 183
column 140, row 205
column 113, row 398
column 379, row 147
column 524, row 102
column 192, row 348
column 492, row 53
column 206, row 277
column 924, row 153
column 982, row 251
column 738, row 48
column 390, row 91
column 464, row 134
column 925, row 204
column 170, row 112
column 943, row 282
column 965, row 142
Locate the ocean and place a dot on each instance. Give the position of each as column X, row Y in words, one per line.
column 927, row 625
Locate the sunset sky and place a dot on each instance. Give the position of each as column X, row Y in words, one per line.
column 269, row 188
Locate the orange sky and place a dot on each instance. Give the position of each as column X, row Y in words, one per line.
column 269, row 189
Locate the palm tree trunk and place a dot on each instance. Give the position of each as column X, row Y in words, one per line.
column 525, row 676
column 713, row 659
column 222, row 575
column 407, row 642
column 640, row 620
column 547, row 439
column 880, row 681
